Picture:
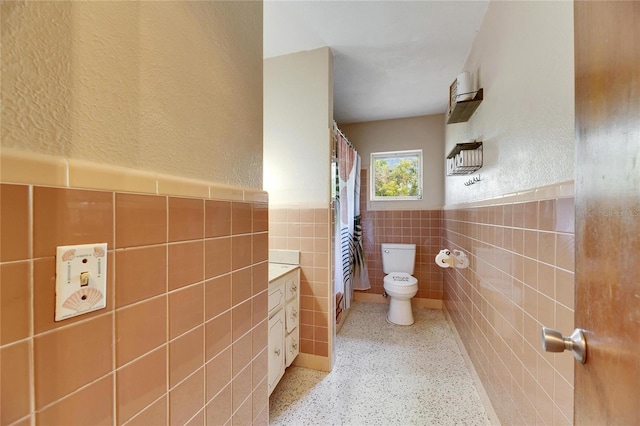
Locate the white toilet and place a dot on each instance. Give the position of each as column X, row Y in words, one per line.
column 398, row 261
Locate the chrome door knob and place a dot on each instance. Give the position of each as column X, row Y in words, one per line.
column 554, row 341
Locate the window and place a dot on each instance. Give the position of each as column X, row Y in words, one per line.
column 396, row 175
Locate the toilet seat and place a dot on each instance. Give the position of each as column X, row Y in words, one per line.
column 400, row 279
column 400, row 283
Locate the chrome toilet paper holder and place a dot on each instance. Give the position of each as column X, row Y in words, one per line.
column 461, row 259
column 452, row 259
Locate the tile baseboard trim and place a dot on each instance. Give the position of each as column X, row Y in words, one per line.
column 482, row 393
column 29, row 168
column 427, row 303
column 314, row 362
column 416, row 301
column 369, row 297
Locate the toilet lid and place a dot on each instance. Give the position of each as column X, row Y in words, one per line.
column 400, row 278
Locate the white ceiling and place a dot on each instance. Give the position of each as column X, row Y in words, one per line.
column 392, row 58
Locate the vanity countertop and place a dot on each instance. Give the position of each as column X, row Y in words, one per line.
column 276, row 270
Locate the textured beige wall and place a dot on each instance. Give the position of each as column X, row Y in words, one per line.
column 523, row 58
column 298, row 113
column 169, row 87
column 424, row 132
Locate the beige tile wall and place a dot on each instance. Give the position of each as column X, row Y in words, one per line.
column 183, row 337
column 308, row 230
column 521, row 277
column 420, row 227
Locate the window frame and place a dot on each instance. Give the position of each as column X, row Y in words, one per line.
column 395, row 154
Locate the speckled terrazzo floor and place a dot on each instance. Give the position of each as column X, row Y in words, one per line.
column 384, row 374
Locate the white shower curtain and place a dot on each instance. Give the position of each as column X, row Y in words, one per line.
column 360, row 273
column 350, row 271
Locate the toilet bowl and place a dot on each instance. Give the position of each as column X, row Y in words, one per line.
column 398, row 261
column 400, row 287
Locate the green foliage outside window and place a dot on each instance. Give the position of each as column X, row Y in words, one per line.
column 401, row 180
column 396, row 175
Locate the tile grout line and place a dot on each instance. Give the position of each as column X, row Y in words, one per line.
column 114, row 386
column 32, row 373
column 167, row 320
column 203, row 320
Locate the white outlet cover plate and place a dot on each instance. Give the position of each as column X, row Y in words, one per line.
column 73, row 298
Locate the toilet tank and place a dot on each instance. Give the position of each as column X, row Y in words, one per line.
column 398, row 258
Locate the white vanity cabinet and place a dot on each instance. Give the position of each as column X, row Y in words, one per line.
column 284, row 332
column 292, row 315
column 276, row 349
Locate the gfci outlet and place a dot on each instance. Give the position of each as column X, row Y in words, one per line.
column 81, row 279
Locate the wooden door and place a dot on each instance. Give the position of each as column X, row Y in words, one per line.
column 607, row 66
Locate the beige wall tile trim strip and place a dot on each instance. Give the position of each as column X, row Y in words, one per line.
column 30, row 168
column 255, row 196
column 90, row 175
column 559, row 190
column 172, row 185
column 301, row 205
column 221, row 192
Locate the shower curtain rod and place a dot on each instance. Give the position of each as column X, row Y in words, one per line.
column 335, row 127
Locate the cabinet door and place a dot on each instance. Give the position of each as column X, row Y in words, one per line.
column 276, row 297
column 276, row 349
column 292, row 316
column 292, row 345
column 291, row 285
